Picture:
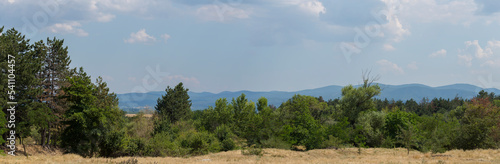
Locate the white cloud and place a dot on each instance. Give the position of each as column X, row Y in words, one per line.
column 387, row 66
column 140, row 36
column 313, row 7
column 440, row 53
column 221, row 13
column 102, row 17
column 412, row 65
column 493, row 44
column 478, row 51
column 67, row 28
column 388, row 47
column 465, row 60
column 165, row 37
column 394, row 25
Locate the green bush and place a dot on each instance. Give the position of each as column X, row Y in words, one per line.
column 332, row 143
column 198, row 143
column 136, row 147
column 225, row 136
column 276, row 142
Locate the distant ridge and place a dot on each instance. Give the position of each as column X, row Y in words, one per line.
column 202, row 100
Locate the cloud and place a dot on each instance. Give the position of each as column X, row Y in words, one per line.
column 221, row 13
column 487, row 7
column 473, row 50
column 492, row 63
column 387, row 66
column 67, row 28
column 165, row 37
column 313, row 7
column 102, row 17
column 478, row 51
column 140, row 37
column 465, row 60
column 388, row 47
column 440, row 53
column 412, row 65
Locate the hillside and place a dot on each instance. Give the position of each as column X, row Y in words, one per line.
column 135, row 101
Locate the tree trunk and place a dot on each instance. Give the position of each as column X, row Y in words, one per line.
column 42, row 135
column 48, row 137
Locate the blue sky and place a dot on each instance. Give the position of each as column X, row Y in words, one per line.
column 264, row 45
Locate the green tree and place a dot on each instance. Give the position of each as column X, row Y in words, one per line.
column 299, row 126
column 54, row 70
column 93, row 129
column 480, row 125
column 357, row 100
column 175, row 104
column 372, row 124
column 27, row 64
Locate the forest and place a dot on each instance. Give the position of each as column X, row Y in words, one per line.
column 62, row 107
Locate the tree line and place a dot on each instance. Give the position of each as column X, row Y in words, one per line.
column 62, row 107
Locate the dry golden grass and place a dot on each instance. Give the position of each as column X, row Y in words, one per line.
column 349, row 155
column 133, row 115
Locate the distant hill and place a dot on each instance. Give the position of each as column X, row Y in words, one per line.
column 132, row 102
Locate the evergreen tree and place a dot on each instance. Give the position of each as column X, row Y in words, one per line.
column 93, row 128
column 55, row 69
column 27, row 65
column 175, row 105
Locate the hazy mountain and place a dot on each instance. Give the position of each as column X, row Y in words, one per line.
column 135, row 101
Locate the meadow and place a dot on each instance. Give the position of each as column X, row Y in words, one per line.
column 347, row 155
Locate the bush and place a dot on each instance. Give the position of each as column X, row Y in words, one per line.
column 225, row 136
column 161, row 145
column 198, row 143
column 332, row 143
column 136, row 147
column 276, row 142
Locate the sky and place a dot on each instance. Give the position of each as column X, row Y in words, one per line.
column 268, row 45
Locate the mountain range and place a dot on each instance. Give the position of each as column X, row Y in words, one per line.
column 133, row 102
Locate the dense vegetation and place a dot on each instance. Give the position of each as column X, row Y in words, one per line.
column 62, row 107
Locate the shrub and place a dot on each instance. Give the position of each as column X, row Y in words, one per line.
column 332, row 143
column 225, row 136
column 198, row 143
column 276, row 142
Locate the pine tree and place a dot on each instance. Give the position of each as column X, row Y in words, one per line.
column 175, row 105
column 55, row 69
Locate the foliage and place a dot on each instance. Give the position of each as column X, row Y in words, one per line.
column 479, row 125
column 90, row 127
column 300, row 128
column 357, row 100
column 175, row 104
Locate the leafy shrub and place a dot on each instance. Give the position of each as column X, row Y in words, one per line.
column 275, row 142
column 225, row 136
column 198, row 143
column 136, row 147
column 332, row 143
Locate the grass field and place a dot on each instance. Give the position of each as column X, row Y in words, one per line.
column 349, row 155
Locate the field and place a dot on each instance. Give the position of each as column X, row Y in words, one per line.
column 348, row 155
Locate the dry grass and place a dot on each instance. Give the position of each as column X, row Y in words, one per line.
column 349, row 155
column 145, row 115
